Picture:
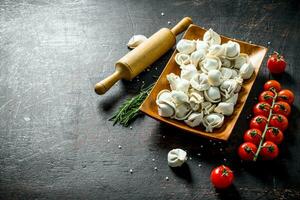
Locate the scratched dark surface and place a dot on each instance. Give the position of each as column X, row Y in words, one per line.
column 55, row 138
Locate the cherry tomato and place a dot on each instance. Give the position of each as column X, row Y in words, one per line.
column 272, row 84
column 262, row 108
column 274, row 135
column 276, row 63
column 266, row 96
column 259, row 122
column 252, row 135
column 282, row 108
column 286, row 96
column 279, row 121
column 247, row 151
column 221, row 177
column 269, row 151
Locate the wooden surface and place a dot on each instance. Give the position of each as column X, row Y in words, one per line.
column 149, row 106
column 56, row 142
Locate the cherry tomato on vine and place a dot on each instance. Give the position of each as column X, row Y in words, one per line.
column 282, row 108
column 252, row 135
column 276, row 63
column 259, row 122
column 262, row 108
column 286, row 96
column 274, row 135
column 269, row 151
column 279, row 121
column 247, row 151
column 221, row 177
column 272, row 84
column 266, row 96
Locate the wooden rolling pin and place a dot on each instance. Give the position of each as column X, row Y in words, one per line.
column 143, row 56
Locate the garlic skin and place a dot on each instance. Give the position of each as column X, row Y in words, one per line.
column 186, row 46
column 195, row 119
column 176, row 157
column 135, row 41
column 211, row 37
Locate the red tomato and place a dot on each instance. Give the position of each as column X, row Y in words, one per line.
column 266, row 96
column 247, row 151
column 276, row 63
column 272, row 84
column 286, row 96
column 274, row 135
column 269, row 151
column 279, row 121
column 252, row 135
column 259, row 122
column 221, row 177
column 282, row 108
column 262, row 108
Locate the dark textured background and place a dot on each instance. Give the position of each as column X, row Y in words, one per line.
column 55, row 139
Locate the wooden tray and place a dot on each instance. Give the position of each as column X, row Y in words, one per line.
column 149, row 107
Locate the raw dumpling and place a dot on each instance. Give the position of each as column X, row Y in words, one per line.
column 232, row 50
column 199, row 82
column 225, row 108
column 196, row 98
column 166, row 108
column 176, row 157
column 240, row 60
column 233, row 99
column 176, row 83
column 216, row 50
column 179, row 97
column 212, row 95
column 201, row 45
column 210, row 63
column 208, row 107
column 213, row 120
column 229, row 87
column 225, row 62
column 187, row 71
column 182, row 59
column 136, row 40
column 246, row 70
column 186, row 46
column 214, row 77
column 182, row 111
column 195, row 119
column 211, row 37
column 197, row 56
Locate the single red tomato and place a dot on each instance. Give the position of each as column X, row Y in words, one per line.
column 266, row 96
column 269, row 151
column 221, row 177
column 286, row 96
column 259, row 122
column 272, row 84
column 275, row 135
column 252, row 135
column 282, row 108
column 262, row 108
column 276, row 63
column 247, row 151
column 279, row 121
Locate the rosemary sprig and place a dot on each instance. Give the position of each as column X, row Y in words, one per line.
column 129, row 110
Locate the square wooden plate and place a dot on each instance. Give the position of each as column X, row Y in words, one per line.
column 149, row 107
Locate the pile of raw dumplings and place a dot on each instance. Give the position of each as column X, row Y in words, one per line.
column 207, row 88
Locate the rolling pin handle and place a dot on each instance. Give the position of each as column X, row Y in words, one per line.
column 181, row 26
column 107, row 83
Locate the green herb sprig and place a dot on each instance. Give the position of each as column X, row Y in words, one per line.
column 129, row 110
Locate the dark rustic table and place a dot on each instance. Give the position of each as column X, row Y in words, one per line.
column 56, row 140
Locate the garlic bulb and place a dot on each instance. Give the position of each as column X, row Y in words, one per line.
column 136, row 40
column 186, row 46
column 195, row 119
column 199, row 82
column 176, row 83
column 214, row 77
column 182, row 59
column 197, row 56
column 232, row 50
column 211, row 37
column 213, row 120
column 187, row 71
column 216, row 50
column 212, row 94
column 240, row 60
column 210, row 63
column 176, row 157
column 246, row 70
column 225, row 108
